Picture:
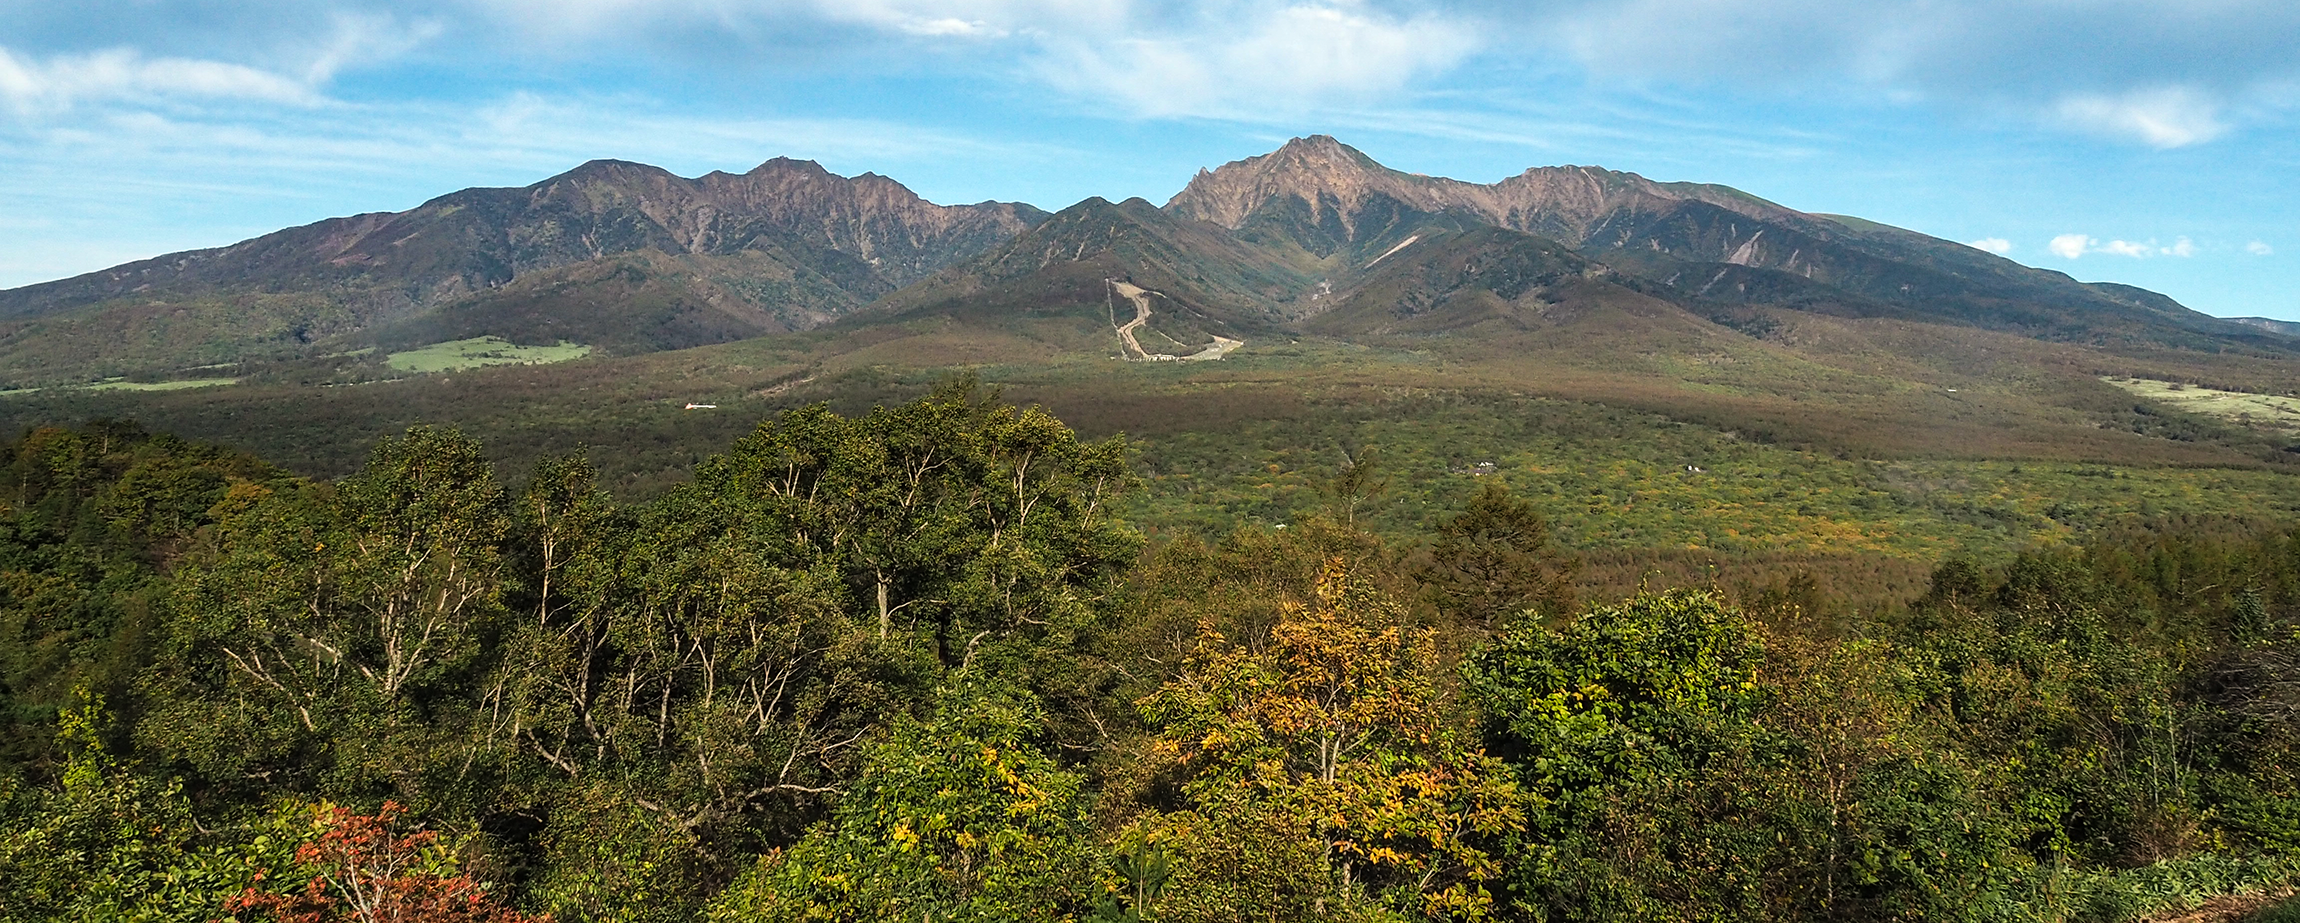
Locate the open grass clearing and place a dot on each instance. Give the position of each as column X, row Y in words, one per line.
column 480, row 352
column 183, row 385
column 2270, row 410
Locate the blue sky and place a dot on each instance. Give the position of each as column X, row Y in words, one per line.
column 2153, row 142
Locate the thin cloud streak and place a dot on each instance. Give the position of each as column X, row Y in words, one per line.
column 31, row 86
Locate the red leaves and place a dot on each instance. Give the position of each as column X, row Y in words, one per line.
column 362, row 871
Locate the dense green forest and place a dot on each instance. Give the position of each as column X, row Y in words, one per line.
column 915, row 663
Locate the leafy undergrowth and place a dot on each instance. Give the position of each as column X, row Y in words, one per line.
column 2174, row 888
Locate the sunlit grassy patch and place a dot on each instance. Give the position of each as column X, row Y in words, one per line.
column 479, row 352
column 162, row 385
column 2270, row 410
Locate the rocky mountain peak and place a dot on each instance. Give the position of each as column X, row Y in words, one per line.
column 1318, row 170
column 788, row 165
column 609, row 171
column 1322, row 152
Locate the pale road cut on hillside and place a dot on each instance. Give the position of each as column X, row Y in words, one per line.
column 1133, row 351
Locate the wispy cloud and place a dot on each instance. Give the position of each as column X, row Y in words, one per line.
column 294, row 72
column 1996, row 245
column 2166, row 75
column 31, row 85
column 593, row 19
column 1280, row 58
column 2163, row 74
column 2166, row 117
column 356, row 40
column 2257, row 248
column 1135, row 57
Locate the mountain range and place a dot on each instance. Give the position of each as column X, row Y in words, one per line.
column 1313, row 237
column 621, row 255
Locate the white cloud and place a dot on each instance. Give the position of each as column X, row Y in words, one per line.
column 948, row 26
column 2257, row 248
column 2167, row 117
column 60, row 82
column 1271, row 58
column 291, row 72
column 359, row 40
column 2071, row 246
column 772, row 20
column 1141, row 57
column 2167, row 74
column 1996, row 245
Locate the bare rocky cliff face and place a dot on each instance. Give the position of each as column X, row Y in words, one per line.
column 870, row 232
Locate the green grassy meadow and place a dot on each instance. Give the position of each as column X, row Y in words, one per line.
column 2273, row 411
column 181, row 385
column 480, row 352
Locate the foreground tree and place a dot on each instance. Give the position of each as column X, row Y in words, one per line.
column 727, row 654
column 1634, row 730
column 1495, row 562
column 342, row 621
column 358, row 868
column 1321, row 773
column 956, row 817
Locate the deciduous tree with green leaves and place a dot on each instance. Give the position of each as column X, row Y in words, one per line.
column 342, row 620
column 1630, row 729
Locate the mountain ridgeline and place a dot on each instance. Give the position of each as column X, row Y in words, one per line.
column 622, row 255
column 1314, row 237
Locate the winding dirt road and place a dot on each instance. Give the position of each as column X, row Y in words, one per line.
column 1141, row 298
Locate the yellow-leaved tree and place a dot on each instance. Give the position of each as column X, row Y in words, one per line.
column 1319, row 773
